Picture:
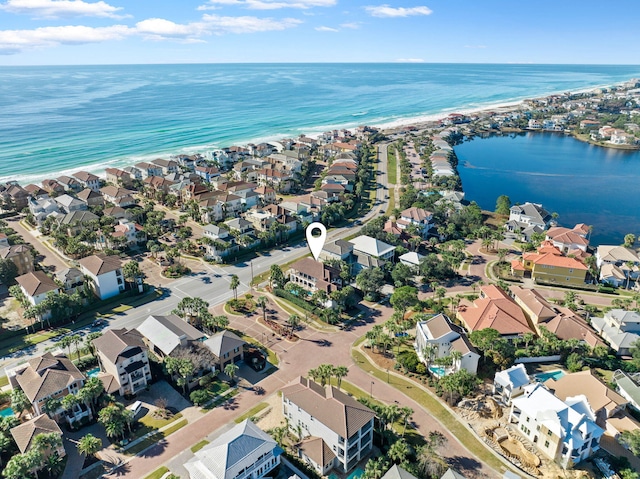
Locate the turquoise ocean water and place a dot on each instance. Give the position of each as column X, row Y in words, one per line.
column 60, row 119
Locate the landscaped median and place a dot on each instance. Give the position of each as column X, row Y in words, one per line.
column 434, row 407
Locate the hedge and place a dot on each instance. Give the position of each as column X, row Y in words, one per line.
column 281, row 293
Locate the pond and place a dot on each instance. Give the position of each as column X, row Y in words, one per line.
column 583, row 183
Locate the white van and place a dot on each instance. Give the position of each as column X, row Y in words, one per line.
column 135, row 407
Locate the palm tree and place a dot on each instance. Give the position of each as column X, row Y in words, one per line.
column 5, row 442
column 340, row 372
column 66, row 342
column 53, row 464
column 262, row 302
column 456, row 357
column 235, row 282
column 76, row 340
column 293, row 321
column 325, row 371
column 89, row 445
column 230, row 370
column 629, row 265
column 406, row 413
column 375, row 468
column 398, row 451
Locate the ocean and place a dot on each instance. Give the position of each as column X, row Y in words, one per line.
column 61, row 119
column 583, row 183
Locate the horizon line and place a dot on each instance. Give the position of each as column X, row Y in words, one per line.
column 390, row 62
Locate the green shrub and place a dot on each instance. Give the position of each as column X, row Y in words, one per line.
column 199, row 397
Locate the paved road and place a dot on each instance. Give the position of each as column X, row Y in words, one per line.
column 49, row 258
column 295, row 359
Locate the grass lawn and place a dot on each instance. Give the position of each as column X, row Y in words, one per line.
column 96, row 473
column 158, row 473
column 216, row 388
column 220, row 400
column 392, row 165
column 392, row 201
column 4, row 381
column 436, row 409
column 196, row 447
column 252, row 412
column 157, row 437
column 150, row 424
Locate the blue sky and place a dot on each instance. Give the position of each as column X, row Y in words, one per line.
column 35, row 32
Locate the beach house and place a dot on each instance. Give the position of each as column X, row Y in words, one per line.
column 343, row 425
column 562, row 431
column 105, row 273
column 438, row 337
column 510, row 383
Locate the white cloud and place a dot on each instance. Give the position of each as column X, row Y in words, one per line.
column 61, row 8
column 268, row 4
column 218, row 24
column 387, row 11
column 351, row 25
column 326, row 29
column 409, row 60
column 14, row 41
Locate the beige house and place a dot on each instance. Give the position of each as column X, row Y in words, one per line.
column 226, row 347
column 46, row 377
column 122, row 356
column 25, row 433
column 20, row 255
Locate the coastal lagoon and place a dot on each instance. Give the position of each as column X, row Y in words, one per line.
column 66, row 118
column 583, row 183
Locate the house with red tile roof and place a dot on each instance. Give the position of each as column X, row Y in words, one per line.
column 566, row 239
column 494, row 309
column 549, row 265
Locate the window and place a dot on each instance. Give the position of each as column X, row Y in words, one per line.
column 549, row 433
column 546, row 443
column 528, row 419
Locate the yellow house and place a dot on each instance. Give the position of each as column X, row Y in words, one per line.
column 549, row 265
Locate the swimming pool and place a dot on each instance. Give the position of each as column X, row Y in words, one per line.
column 555, row 375
column 357, row 472
column 93, row 373
column 7, row 412
column 439, row 371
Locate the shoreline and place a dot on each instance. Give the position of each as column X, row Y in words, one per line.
column 420, row 121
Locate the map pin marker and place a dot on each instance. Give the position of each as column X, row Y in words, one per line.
column 316, row 243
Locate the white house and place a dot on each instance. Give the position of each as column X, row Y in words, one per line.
column 411, row 258
column 344, row 425
column 617, row 260
column 243, row 452
column 510, row 383
column 527, row 219
column 122, row 356
column 373, row 247
column 438, row 337
column 69, row 204
column 35, row 285
column 88, row 180
column 563, row 431
column 163, row 334
column 105, row 273
column 619, row 328
column 417, row 217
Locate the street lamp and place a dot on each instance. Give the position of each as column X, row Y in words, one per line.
column 371, row 392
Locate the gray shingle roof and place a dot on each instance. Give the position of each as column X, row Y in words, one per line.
column 333, row 408
column 47, row 374
column 224, row 342
column 164, row 332
column 396, row 472
column 115, row 341
column 26, row 432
